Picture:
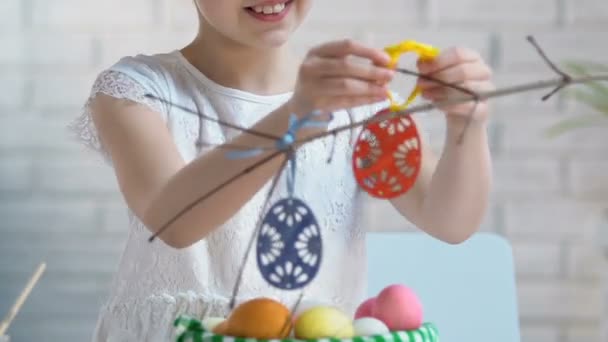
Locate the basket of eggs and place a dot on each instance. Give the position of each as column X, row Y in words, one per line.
column 395, row 315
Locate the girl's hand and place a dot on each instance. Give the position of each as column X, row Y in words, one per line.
column 328, row 80
column 462, row 67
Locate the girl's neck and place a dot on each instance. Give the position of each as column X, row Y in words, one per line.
column 231, row 64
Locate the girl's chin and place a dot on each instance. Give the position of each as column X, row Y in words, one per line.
column 271, row 40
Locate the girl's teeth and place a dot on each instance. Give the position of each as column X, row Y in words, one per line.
column 278, row 8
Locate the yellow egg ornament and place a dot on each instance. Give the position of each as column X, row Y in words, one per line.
column 324, row 322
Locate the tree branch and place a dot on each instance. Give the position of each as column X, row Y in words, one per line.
column 467, row 96
column 459, row 100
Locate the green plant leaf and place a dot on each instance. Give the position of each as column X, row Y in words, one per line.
column 579, row 69
column 593, row 95
column 596, row 99
column 569, row 124
column 583, row 68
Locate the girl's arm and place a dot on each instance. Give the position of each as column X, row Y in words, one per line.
column 156, row 182
column 450, row 197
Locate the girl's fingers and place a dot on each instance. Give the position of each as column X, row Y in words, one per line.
column 346, row 102
column 338, row 86
column 343, row 48
column 436, row 94
column 448, row 58
column 444, row 93
column 333, row 67
column 457, row 74
column 464, row 108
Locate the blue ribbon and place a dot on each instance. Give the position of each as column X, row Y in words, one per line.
column 287, row 140
column 284, row 143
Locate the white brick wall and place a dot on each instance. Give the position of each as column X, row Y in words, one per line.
column 492, row 14
column 13, row 21
column 57, row 204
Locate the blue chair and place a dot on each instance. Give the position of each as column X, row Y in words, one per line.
column 467, row 290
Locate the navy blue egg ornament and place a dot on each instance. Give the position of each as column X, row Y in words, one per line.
column 289, row 245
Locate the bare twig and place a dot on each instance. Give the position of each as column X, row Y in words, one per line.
column 438, row 81
column 458, row 100
column 381, row 117
column 468, row 122
column 467, row 96
column 566, row 79
column 290, row 317
column 239, row 278
column 234, row 147
column 208, row 118
column 332, row 152
column 214, row 191
column 473, row 94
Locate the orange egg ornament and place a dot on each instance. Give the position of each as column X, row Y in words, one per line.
column 260, row 318
column 387, row 156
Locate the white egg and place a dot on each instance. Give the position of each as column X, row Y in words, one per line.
column 369, row 326
column 210, row 323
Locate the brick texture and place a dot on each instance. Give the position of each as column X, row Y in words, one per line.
column 492, row 14
column 537, row 332
column 12, row 19
column 569, row 303
column 59, row 203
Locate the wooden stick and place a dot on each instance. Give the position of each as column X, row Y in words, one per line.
column 21, row 299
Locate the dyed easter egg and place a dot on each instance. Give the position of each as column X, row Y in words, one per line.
column 260, row 318
column 387, row 156
column 306, row 305
column 289, row 246
column 221, row 329
column 369, row 326
column 324, row 322
column 399, row 308
column 366, row 308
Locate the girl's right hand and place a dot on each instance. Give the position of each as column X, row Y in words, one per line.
column 328, row 80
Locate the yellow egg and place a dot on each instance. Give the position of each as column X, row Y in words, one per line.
column 324, row 322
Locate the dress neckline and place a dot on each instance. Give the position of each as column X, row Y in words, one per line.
column 232, row 92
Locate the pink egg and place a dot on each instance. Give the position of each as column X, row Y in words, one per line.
column 366, row 308
column 399, row 308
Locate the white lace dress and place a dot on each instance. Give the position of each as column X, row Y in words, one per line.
column 156, row 283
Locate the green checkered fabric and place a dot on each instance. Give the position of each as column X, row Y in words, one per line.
column 191, row 330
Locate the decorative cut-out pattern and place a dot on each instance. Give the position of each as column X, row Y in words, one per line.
column 289, row 246
column 387, row 156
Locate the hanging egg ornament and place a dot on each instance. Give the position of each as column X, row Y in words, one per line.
column 289, row 246
column 387, row 156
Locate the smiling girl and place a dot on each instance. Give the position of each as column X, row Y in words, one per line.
column 239, row 69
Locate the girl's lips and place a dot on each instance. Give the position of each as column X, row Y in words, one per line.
column 270, row 3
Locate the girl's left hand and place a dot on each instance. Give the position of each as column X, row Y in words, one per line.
column 462, row 67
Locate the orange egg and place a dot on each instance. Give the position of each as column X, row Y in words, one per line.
column 221, row 328
column 260, row 318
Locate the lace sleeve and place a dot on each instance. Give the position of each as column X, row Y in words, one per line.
column 118, row 85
